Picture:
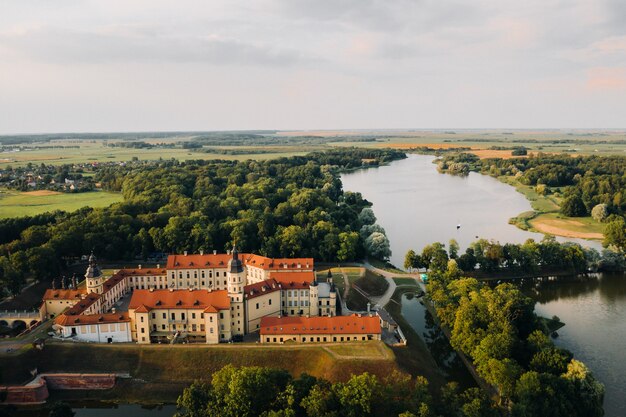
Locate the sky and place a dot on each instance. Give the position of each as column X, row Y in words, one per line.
column 152, row 65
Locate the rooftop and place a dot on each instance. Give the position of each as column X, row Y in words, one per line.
column 185, row 299
column 292, row 325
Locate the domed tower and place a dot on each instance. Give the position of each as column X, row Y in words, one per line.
column 314, row 297
column 236, row 282
column 93, row 276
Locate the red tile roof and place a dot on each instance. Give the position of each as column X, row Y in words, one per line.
column 293, row 325
column 78, row 308
column 69, row 320
column 64, row 294
column 220, row 260
column 198, row 261
column 294, row 280
column 260, row 288
column 142, row 271
column 196, row 299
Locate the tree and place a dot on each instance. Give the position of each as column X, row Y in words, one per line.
column 194, row 400
column 453, row 248
column 409, row 259
column 348, row 246
column 573, row 206
column 377, row 245
column 615, row 234
column 600, row 212
column 367, row 216
column 358, row 395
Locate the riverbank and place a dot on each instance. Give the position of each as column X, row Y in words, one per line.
column 545, row 217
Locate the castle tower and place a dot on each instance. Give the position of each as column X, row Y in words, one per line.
column 333, row 299
column 314, row 297
column 236, row 282
column 94, row 277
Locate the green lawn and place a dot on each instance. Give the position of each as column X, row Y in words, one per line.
column 16, row 204
column 405, row 281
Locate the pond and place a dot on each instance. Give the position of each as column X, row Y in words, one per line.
column 417, row 206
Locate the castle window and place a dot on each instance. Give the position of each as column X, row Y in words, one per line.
column 270, row 302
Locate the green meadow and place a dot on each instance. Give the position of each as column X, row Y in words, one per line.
column 17, row 204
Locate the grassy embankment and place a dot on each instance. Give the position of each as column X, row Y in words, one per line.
column 545, row 217
column 159, row 373
column 16, row 204
column 368, row 281
column 415, row 357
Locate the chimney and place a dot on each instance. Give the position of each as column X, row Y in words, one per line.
column 151, row 289
column 139, row 266
column 214, row 252
column 158, row 266
column 201, row 252
column 185, row 253
column 113, row 310
column 368, row 308
column 171, row 289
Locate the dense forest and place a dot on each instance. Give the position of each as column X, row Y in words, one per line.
column 588, row 185
column 285, row 207
column 499, row 331
column 256, row 391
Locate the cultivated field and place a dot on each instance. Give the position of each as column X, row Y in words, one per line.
column 16, row 204
column 92, row 150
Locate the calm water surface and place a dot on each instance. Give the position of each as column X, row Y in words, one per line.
column 416, row 205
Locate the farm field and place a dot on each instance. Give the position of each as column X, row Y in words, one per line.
column 16, row 204
column 612, row 142
column 96, row 151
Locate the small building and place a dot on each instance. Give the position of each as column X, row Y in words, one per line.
column 320, row 329
column 99, row 328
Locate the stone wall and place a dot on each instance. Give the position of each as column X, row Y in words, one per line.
column 36, row 391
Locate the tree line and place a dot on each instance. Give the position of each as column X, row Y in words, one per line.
column 489, row 257
column 499, row 331
column 267, row 392
column 588, row 185
column 287, row 207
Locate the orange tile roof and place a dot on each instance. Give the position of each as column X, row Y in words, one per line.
column 78, row 308
column 69, row 320
column 198, row 261
column 64, row 294
column 260, row 288
column 142, row 271
column 293, row 325
column 220, row 260
column 289, row 263
column 112, row 282
column 293, row 280
column 196, row 299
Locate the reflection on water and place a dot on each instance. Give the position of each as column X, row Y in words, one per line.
column 420, row 319
column 417, row 206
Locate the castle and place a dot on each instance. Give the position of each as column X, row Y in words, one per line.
column 202, row 298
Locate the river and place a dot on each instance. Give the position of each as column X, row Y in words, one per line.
column 417, row 205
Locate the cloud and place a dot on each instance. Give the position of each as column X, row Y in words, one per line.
column 110, row 44
column 606, row 79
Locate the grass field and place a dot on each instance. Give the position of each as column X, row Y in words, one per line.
column 16, row 204
column 546, row 218
column 96, row 151
column 577, row 142
column 167, row 369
